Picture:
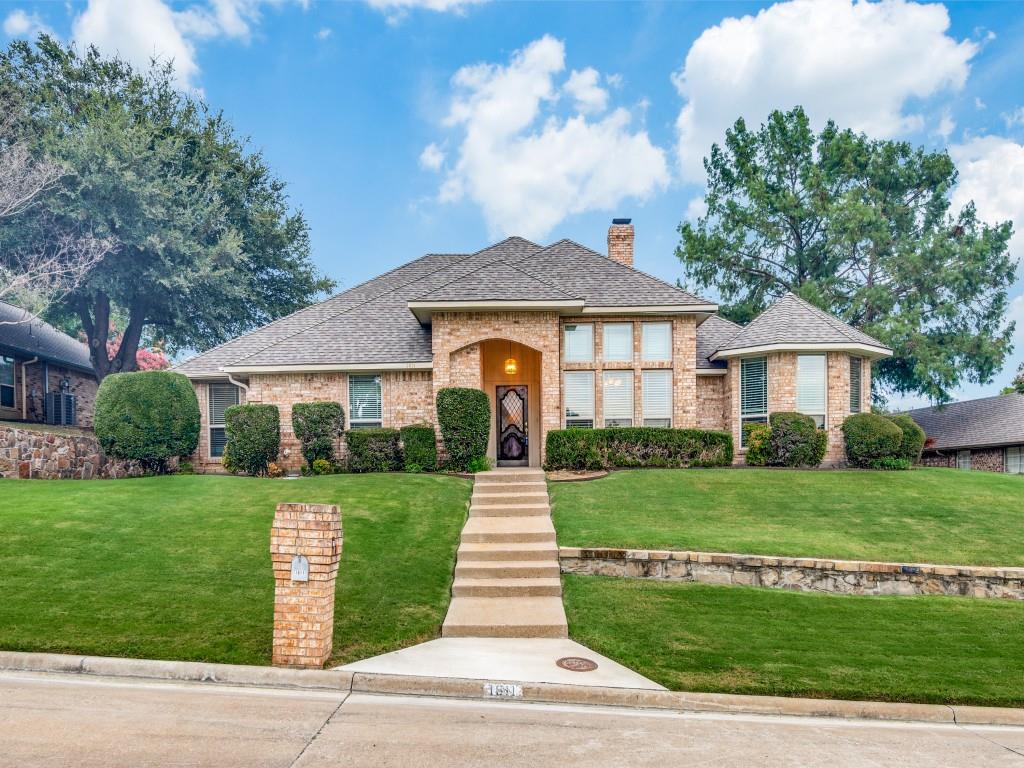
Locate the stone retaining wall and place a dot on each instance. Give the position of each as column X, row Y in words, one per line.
column 33, row 453
column 801, row 574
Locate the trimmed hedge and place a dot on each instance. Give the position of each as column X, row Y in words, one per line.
column 580, row 449
column 871, row 439
column 373, row 450
column 796, row 441
column 759, row 446
column 317, row 425
column 254, row 437
column 464, row 415
column 913, row 437
column 419, row 447
column 147, row 416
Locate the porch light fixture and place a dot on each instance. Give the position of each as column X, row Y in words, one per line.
column 511, row 366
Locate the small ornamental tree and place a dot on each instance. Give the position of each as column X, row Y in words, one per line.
column 464, row 415
column 147, row 416
column 317, row 426
column 253, row 437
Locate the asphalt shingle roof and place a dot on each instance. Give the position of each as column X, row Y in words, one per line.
column 497, row 281
column 711, row 334
column 990, row 421
column 33, row 338
column 791, row 320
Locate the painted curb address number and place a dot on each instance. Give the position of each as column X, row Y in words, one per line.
column 503, row 691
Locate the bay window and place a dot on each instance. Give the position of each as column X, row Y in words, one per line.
column 753, row 394
column 855, row 384
column 811, row 384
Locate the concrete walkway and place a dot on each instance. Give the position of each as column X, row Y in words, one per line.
column 507, row 578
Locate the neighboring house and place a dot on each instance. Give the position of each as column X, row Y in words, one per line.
column 45, row 375
column 975, row 434
column 557, row 336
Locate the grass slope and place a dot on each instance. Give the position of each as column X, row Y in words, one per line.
column 697, row 637
column 927, row 515
column 179, row 567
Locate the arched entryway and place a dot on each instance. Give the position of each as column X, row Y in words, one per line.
column 510, row 374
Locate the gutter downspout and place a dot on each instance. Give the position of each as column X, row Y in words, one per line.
column 240, row 385
column 24, row 400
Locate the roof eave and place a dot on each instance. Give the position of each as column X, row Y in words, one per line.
column 653, row 309
column 867, row 350
column 424, row 310
column 415, row 365
column 15, row 351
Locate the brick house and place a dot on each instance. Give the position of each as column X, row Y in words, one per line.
column 556, row 335
column 45, row 375
column 986, row 434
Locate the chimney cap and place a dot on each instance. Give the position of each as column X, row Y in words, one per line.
column 622, row 221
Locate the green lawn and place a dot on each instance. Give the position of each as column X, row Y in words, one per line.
column 179, row 567
column 927, row 515
column 696, row 637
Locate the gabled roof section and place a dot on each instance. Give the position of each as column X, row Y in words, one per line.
column 31, row 337
column 990, row 421
column 711, row 335
column 793, row 324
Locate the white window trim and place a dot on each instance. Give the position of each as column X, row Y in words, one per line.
column 365, row 423
column 824, row 414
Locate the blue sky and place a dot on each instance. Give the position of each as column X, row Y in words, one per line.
column 409, row 126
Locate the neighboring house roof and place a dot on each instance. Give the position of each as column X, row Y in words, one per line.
column 372, row 324
column 22, row 335
column 990, row 421
column 711, row 335
column 792, row 323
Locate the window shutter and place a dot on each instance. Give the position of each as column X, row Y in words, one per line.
column 754, row 385
column 810, row 384
column 579, row 343
column 656, row 341
column 855, row 381
column 222, row 397
column 364, row 399
column 579, row 399
column 618, row 342
column 657, row 395
column 618, row 397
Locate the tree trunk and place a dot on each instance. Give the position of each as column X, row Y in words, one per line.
column 95, row 317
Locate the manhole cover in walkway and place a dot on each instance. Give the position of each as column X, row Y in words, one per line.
column 576, row 664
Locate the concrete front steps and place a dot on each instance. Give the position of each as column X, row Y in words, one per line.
column 506, row 578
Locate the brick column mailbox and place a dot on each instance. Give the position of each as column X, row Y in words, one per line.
column 305, row 545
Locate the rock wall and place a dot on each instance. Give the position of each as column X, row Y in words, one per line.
column 34, row 453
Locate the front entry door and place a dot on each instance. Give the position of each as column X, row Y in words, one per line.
column 513, row 426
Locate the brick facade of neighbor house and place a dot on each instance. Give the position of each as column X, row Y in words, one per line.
column 982, row 459
column 80, row 384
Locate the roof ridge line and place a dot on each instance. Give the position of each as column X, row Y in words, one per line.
column 832, row 320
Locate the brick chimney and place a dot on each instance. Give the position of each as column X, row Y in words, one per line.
column 620, row 241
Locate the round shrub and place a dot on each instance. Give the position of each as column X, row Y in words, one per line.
column 870, row 437
column 373, row 450
column 147, row 416
column 419, row 447
column 796, row 441
column 913, row 437
column 464, row 415
column 254, row 437
column 759, row 447
column 317, row 426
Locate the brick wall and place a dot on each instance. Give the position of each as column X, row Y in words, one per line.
column 82, row 385
column 712, row 402
column 407, row 397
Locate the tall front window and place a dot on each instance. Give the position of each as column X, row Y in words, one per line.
column 579, row 343
column 1015, row 460
column 656, row 341
column 6, row 382
column 657, row 394
column 221, row 397
column 618, row 342
column 811, row 383
column 855, row 384
column 364, row 401
column 753, row 394
column 963, row 459
column 579, row 398
column 618, row 398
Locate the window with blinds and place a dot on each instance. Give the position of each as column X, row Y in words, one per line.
column 618, row 342
column 7, row 382
column 220, row 397
column 963, row 459
column 811, row 383
column 618, row 398
column 657, row 398
column 364, row 401
column 753, row 394
column 855, row 384
column 579, row 399
column 656, row 341
column 579, row 343
column 1015, row 460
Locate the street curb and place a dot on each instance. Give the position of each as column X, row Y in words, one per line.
column 504, row 690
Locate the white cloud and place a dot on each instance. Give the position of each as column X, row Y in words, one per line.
column 979, row 103
column 323, row 33
column 21, row 24
column 432, row 158
column 583, row 86
column 946, row 125
column 396, row 10
column 857, row 63
column 528, row 170
column 992, row 175
column 1014, row 118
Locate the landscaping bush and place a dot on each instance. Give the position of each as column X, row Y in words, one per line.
column 913, row 437
column 889, row 462
column 582, row 449
column 464, row 416
column 759, row 447
column 870, row 437
column 147, row 416
column 419, row 447
column 480, row 464
column 317, row 425
column 321, row 467
column 253, row 437
column 373, row 450
column 795, row 440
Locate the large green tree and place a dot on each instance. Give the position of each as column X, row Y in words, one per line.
column 206, row 245
column 863, row 229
